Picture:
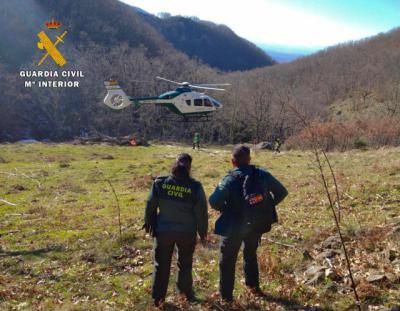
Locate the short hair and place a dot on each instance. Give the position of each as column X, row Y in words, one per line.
column 241, row 155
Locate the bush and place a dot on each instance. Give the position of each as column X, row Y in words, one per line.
column 336, row 135
column 359, row 143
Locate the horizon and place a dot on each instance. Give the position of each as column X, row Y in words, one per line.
column 314, row 24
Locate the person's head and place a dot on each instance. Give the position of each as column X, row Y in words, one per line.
column 182, row 166
column 240, row 155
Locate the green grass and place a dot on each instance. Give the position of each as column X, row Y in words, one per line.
column 60, row 246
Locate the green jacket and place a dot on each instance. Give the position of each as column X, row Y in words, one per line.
column 177, row 205
column 196, row 138
column 228, row 199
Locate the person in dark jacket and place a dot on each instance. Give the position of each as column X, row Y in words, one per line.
column 234, row 227
column 176, row 210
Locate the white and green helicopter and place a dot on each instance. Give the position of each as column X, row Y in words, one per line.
column 189, row 104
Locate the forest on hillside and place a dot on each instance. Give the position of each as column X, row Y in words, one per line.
column 348, row 94
column 215, row 45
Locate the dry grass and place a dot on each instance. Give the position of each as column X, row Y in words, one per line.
column 60, row 248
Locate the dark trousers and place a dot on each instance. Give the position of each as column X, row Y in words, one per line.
column 196, row 144
column 164, row 245
column 229, row 250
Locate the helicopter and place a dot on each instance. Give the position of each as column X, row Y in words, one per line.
column 183, row 101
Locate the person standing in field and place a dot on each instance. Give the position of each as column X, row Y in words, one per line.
column 277, row 145
column 176, row 211
column 246, row 198
column 196, row 141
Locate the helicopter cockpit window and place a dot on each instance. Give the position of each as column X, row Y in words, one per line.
column 188, row 102
column 216, row 104
column 207, row 102
column 198, row 102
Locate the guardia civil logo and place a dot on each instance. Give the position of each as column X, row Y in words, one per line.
column 50, row 47
column 52, row 59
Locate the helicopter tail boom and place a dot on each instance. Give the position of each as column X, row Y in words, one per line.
column 115, row 97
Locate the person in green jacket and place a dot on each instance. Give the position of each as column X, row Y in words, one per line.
column 196, row 141
column 277, row 145
column 236, row 224
column 176, row 211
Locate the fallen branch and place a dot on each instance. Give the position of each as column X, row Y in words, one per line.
column 217, row 306
column 7, row 202
column 9, row 232
column 119, row 209
column 17, row 174
column 282, row 244
column 348, row 196
column 98, row 138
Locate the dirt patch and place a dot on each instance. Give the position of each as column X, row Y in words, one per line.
column 2, row 160
column 97, row 156
column 64, row 164
column 54, row 158
column 70, row 187
column 142, row 182
column 16, row 189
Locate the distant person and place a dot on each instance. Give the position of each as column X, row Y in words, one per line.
column 246, row 198
column 196, row 141
column 277, row 145
column 176, row 209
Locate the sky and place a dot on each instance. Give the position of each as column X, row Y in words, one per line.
column 308, row 24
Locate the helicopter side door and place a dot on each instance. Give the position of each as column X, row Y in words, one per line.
column 184, row 103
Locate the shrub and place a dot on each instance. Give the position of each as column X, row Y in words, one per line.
column 360, row 143
column 335, row 135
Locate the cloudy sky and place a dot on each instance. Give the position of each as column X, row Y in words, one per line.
column 296, row 23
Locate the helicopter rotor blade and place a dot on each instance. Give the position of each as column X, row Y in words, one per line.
column 197, row 86
column 161, row 78
column 142, row 81
column 211, row 85
column 206, row 88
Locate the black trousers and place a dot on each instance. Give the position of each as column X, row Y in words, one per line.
column 164, row 245
column 229, row 250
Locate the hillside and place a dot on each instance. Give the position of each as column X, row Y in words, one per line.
column 103, row 22
column 354, row 86
column 353, row 81
column 110, row 23
column 105, row 39
column 215, row 45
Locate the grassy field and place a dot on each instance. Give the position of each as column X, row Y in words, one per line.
column 60, row 247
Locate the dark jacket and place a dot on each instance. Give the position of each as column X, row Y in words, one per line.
column 228, row 198
column 176, row 205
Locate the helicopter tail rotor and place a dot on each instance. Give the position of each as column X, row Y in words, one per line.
column 115, row 97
